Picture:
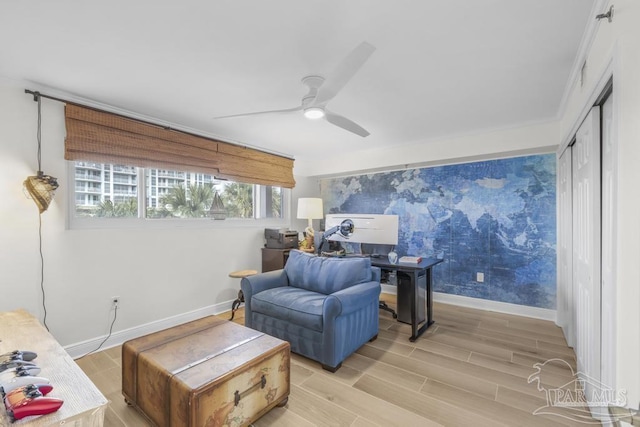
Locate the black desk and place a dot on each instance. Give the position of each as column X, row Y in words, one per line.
column 414, row 272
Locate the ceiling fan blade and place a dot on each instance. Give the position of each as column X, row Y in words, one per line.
column 288, row 110
column 343, row 72
column 345, row 123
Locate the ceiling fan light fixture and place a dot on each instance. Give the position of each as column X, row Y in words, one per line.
column 322, row 91
column 314, row 113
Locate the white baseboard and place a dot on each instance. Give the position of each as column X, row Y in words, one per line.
column 117, row 338
column 500, row 307
column 488, row 305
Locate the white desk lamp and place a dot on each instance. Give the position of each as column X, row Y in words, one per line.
column 310, row 208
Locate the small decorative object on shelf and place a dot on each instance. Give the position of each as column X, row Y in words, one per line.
column 393, row 256
column 411, row 259
column 217, row 210
column 307, row 244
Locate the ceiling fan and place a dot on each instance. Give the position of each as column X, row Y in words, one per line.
column 322, row 90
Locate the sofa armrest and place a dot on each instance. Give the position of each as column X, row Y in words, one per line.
column 263, row 281
column 257, row 283
column 376, row 274
column 352, row 298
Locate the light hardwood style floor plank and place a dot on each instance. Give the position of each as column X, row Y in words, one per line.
column 472, row 367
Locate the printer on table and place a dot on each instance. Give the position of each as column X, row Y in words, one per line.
column 278, row 238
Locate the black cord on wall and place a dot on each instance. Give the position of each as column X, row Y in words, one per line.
column 44, row 306
column 39, row 139
column 115, row 316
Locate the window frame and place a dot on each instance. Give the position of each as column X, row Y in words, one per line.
column 141, row 222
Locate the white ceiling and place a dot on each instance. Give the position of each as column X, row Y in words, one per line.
column 440, row 68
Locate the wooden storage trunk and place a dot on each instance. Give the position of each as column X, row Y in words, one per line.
column 209, row 372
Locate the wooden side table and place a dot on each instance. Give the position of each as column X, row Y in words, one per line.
column 274, row 259
column 239, row 275
column 84, row 404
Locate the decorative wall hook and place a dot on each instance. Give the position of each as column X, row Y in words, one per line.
column 608, row 15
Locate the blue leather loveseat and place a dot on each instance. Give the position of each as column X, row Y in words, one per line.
column 326, row 308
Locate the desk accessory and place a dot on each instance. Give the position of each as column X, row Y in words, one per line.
column 344, row 229
column 277, row 238
column 411, row 259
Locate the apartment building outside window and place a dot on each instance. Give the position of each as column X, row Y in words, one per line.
column 114, row 191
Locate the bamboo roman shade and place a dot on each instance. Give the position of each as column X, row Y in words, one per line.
column 98, row 136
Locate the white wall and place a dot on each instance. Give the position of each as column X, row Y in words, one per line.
column 531, row 139
column 616, row 49
column 158, row 273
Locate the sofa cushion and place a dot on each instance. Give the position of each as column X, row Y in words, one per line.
column 326, row 275
column 293, row 305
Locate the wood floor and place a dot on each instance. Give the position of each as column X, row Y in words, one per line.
column 471, row 368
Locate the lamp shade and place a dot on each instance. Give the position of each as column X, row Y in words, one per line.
column 41, row 189
column 310, row 208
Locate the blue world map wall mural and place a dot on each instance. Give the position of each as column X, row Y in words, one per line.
column 496, row 217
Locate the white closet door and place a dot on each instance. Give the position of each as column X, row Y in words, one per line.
column 564, row 303
column 609, row 232
column 586, row 246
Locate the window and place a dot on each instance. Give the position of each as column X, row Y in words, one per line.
column 113, row 191
column 162, row 184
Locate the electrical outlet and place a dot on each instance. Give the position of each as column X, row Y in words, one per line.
column 115, row 301
column 480, row 277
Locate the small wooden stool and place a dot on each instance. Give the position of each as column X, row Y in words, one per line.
column 239, row 275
